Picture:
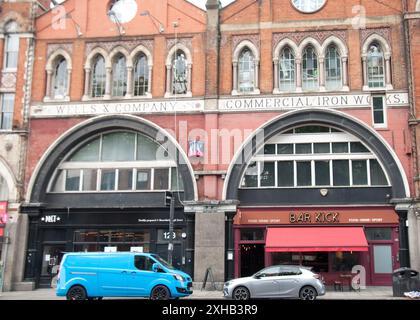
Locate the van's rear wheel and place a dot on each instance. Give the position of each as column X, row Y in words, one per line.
column 77, row 293
column 160, row 293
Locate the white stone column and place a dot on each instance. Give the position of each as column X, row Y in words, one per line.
column 388, row 80
column 235, row 78
column 298, row 75
column 168, row 80
column 48, row 91
column 150, row 82
column 344, row 74
column 87, row 84
column 189, row 79
column 322, row 74
column 276, row 76
column 67, row 97
column 108, row 83
column 257, row 77
column 129, row 93
column 365, row 73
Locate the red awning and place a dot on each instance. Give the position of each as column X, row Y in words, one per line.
column 305, row 239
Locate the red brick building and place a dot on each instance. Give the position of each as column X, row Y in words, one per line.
column 265, row 118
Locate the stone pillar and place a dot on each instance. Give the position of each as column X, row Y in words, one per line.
column 48, row 91
column 168, row 80
column 257, row 76
column 414, row 236
column 321, row 74
column 298, row 75
column 230, row 247
column 129, row 93
column 189, row 79
column 276, row 76
column 67, row 97
column 150, row 81
column 235, row 77
column 345, row 74
column 87, row 84
column 388, row 79
column 108, row 83
column 365, row 73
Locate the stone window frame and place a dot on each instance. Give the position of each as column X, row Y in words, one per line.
column 88, row 74
column 169, row 74
column 8, row 34
column 50, row 68
column 418, row 6
column 109, row 64
column 235, row 60
column 133, row 57
column 321, row 53
column 386, row 48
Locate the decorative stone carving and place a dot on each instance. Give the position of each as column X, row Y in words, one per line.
column 129, row 45
column 320, row 36
column 383, row 32
column 68, row 47
column 254, row 38
column 184, row 41
column 8, row 80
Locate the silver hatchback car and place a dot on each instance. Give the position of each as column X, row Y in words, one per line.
column 276, row 282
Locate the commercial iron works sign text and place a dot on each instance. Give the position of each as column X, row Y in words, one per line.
column 308, row 101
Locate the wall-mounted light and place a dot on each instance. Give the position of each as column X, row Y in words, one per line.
column 156, row 22
column 113, row 16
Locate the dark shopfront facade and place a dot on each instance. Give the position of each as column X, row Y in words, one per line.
column 335, row 241
column 55, row 232
column 101, row 187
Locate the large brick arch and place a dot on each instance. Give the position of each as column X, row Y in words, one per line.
column 374, row 141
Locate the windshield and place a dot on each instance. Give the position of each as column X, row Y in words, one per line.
column 162, row 261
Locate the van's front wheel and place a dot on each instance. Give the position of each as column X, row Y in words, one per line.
column 160, row 293
column 76, row 293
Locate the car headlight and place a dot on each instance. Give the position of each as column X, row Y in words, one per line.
column 178, row 277
column 227, row 284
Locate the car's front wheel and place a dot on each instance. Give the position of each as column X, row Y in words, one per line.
column 77, row 293
column 160, row 293
column 241, row 293
column 308, row 293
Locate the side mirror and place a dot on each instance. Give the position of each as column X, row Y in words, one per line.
column 257, row 276
column 156, row 267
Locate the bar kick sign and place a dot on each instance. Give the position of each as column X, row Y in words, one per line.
column 317, row 217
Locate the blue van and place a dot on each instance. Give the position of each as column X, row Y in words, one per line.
column 121, row 274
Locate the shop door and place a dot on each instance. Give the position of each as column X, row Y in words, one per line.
column 51, row 259
column 382, row 264
column 162, row 251
column 252, row 259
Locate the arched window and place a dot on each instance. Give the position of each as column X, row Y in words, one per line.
column 333, row 75
column 375, row 66
column 98, row 81
column 287, row 69
column 120, row 161
column 119, row 76
column 310, row 74
column 179, row 73
column 314, row 156
column 60, row 80
column 246, row 71
column 4, row 190
column 141, row 75
column 11, row 48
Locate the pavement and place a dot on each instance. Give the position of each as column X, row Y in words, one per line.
column 370, row 293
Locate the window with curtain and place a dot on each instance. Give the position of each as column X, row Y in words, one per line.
column 141, row 75
column 246, row 71
column 60, row 79
column 119, row 76
column 7, row 103
column 376, row 66
column 179, row 73
column 333, row 80
column 98, row 77
column 287, row 69
column 11, row 49
column 310, row 74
